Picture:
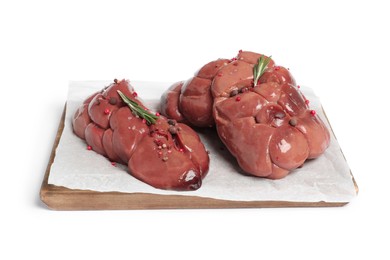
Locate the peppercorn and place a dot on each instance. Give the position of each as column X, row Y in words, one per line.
column 234, row 92
column 112, row 100
column 171, row 122
column 172, row 130
column 293, row 121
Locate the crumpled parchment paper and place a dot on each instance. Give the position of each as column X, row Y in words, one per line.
column 327, row 178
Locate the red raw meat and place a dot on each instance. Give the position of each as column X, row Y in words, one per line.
column 267, row 126
column 166, row 154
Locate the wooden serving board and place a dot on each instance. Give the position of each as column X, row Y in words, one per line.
column 61, row 198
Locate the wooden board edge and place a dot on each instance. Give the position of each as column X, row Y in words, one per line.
column 61, row 198
column 45, row 187
column 350, row 171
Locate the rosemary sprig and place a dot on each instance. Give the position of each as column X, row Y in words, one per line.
column 137, row 109
column 260, row 67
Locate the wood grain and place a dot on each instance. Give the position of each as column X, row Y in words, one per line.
column 61, row 198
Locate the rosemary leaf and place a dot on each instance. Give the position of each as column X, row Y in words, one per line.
column 260, row 68
column 137, row 109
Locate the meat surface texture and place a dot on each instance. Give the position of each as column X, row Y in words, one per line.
column 268, row 126
column 164, row 154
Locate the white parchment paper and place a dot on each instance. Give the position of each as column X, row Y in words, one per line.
column 327, row 178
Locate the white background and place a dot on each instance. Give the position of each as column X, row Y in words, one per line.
column 339, row 48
